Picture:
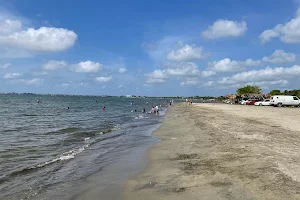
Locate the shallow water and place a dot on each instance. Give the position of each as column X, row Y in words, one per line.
column 49, row 151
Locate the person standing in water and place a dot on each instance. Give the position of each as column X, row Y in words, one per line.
column 152, row 110
column 156, row 110
column 103, row 108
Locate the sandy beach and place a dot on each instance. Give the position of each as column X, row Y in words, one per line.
column 222, row 152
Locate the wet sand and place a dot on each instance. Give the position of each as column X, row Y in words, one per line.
column 215, row 152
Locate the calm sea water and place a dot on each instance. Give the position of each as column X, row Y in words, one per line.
column 48, row 151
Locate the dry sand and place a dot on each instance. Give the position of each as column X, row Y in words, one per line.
column 223, row 152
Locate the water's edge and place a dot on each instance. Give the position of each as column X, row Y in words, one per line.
column 130, row 166
column 146, row 159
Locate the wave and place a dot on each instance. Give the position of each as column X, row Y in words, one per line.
column 110, row 137
column 65, row 156
column 141, row 117
column 30, row 115
column 62, row 131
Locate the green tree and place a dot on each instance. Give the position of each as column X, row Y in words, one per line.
column 275, row 92
column 248, row 89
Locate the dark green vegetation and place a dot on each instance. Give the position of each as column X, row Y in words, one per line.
column 248, row 89
column 286, row 92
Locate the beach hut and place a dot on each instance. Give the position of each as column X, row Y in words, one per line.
column 231, row 97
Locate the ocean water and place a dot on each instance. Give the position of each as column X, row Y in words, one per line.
column 48, row 151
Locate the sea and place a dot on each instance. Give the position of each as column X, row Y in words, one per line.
column 67, row 147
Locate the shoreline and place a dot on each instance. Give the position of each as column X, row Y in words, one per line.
column 109, row 182
column 222, row 152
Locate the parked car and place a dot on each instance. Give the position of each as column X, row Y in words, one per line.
column 243, row 102
column 229, row 102
column 284, row 100
column 265, row 102
column 251, row 101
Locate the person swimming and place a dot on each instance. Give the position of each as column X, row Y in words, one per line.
column 103, row 108
column 144, row 110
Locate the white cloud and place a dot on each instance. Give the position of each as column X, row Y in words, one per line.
column 225, row 28
column 265, row 83
column 103, row 79
column 87, row 66
column 39, row 73
column 8, row 26
column 288, row 33
column 267, row 74
column 15, row 41
column 159, row 49
column 227, row 65
column 189, row 82
column 157, row 76
column 268, row 35
column 122, row 70
column 279, row 56
column 249, row 62
column 40, row 40
column 208, row 73
column 34, row 81
column 208, row 84
column 5, row 65
column 12, row 75
column 186, row 53
column 182, row 69
column 53, row 65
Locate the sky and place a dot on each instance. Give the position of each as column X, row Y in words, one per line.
column 152, row 48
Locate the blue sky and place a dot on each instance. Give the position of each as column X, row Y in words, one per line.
column 155, row 48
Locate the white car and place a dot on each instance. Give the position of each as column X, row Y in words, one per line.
column 265, row 102
column 243, row 102
column 229, row 102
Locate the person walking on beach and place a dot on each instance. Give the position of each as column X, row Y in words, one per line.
column 191, row 101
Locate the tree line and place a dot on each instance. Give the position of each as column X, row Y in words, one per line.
column 250, row 89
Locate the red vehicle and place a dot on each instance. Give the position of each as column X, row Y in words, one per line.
column 251, row 101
